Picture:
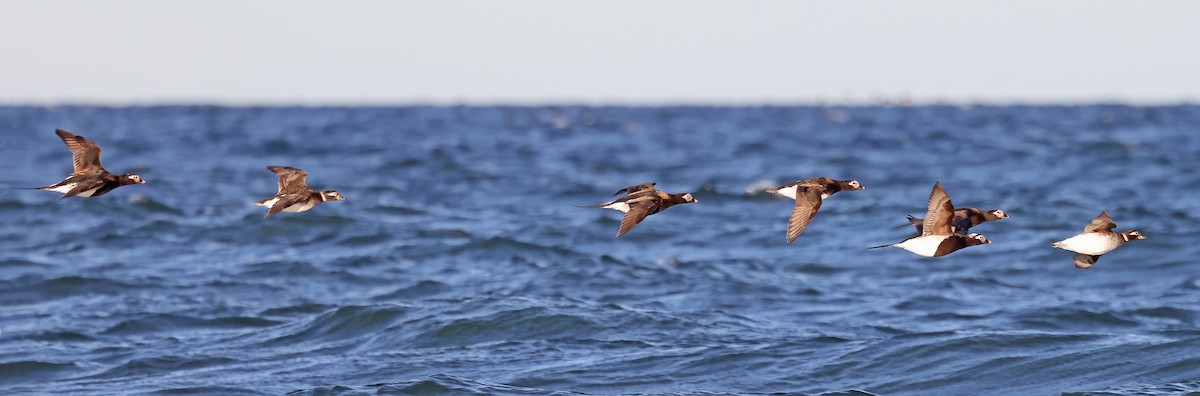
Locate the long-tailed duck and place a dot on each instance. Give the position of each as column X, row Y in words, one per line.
column 937, row 236
column 964, row 219
column 641, row 201
column 1097, row 238
column 294, row 194
column 809, row 194
column 90, row 179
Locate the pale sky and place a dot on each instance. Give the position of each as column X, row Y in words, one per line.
column 596, row 52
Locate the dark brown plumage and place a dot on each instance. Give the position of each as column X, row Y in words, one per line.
column 293, row 194
column 937, row 234
column 640, row 202
column 89, row 178
column 964, row 219
column 809, row 195
column 636, row 188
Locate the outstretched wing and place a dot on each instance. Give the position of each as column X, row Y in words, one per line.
column 1085, row 261
column 84, row 153
column 637, row 212
column 636, row 188
column 808, row 202
column 1102, row 223
column 290, row 179
column 285, row 201
column 940, row 213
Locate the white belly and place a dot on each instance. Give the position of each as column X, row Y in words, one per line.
column 923, row 246
column 299, row 207
column 1089, row 243
column 63, row 189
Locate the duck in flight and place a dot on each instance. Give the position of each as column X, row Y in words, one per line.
column 809, row 194
column 641, row 201
column 90, row 179
column 964, row 219
column 1097, row 238
column 937, row 235
column 294, row 194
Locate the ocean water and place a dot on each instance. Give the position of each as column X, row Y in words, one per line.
column 459, row 265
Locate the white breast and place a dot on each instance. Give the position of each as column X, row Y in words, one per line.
column 1090, row 243
column 923, row 246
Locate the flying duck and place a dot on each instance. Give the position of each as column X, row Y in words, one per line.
column 90, row 179
column 809, row 194
column 1097, row 238
column 964, row 219
column 294, row 194
column 937, row 236
column 641, row 201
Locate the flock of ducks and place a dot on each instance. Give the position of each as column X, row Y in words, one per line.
column 942, row 231
column 90, row 179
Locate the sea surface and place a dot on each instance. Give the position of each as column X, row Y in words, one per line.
column 459, row 265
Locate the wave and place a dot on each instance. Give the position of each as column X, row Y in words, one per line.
column 33, row 371
column 170, row 323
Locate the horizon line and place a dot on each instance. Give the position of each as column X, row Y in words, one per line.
column 874, row 102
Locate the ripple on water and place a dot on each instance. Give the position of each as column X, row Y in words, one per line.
column 170, row 323
column 533, row 323
column 438, row 384
column 344, row 324
column 32, row 371
column 162, row 364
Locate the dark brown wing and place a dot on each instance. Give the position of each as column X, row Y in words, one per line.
column 1102, row 223
column 940, row 213
column 285, row 201
column 636, row 188
column 637, row 212
column 290, row 179
column 84, row 153
column 81, row 186
column 822, row 182
column 808, row 202
column 950, row 245
column 1085, row 261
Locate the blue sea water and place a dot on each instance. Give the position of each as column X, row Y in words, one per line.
column 459, row 265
